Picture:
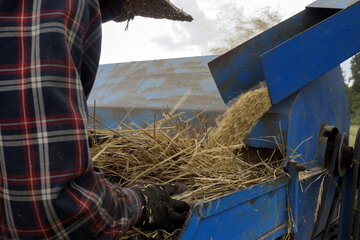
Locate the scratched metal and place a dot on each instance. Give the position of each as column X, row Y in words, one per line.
column 300, row 60
column 133, row 91
column 299, row 114
column 240, row 69
column 252, row 213
column 336, row 4
column 157, row 84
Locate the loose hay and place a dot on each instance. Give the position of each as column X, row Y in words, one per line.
column 171, row 150
column 239, row 119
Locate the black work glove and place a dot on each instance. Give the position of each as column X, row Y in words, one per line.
column 122, row 10
column 160, row 211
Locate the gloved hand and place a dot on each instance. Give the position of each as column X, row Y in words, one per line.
column 160, row 211
column 122, row 10
column 154, row 9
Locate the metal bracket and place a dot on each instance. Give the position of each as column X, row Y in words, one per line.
column 293, row 169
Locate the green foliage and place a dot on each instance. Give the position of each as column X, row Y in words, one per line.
column 353, row 100
column 353, row 91
column 355, row 109
column 355, row 72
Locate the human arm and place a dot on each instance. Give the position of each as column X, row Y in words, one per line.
column 49, row 186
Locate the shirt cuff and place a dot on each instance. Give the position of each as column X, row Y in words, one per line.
column 135, row 204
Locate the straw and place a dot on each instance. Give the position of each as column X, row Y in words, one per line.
column 239, row 119
column 211, row 162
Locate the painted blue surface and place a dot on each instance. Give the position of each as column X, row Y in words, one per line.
column 345, row 209
column 132, row 92
column 247, row 214
column 274, row 123
column 157, row 84
column 240, row 69
column 322, row 102
column 307, row 200
column 297, row 62
column 336, row 4
column 293, row 197
column 306, row 86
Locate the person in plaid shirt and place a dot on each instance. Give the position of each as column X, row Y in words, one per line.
column 49, row 188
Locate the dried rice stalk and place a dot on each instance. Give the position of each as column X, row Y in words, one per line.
column 239, row 119
column 171, row 150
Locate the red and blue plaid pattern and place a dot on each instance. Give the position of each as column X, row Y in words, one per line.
column 48, row 187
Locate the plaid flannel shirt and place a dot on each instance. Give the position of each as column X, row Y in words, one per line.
column 48, row 187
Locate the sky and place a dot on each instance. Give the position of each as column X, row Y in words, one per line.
column 148, row 39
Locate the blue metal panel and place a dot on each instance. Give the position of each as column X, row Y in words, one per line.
column 274, row 123
column 307, row 202
column 336, row 4
column 345, row 207
column 247, row 214
column 293, row 197
column 304, row 58
column 240, row 69
column 323, row 102
column 157, row 84
column 132, row 92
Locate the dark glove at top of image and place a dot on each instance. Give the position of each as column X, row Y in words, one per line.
column 122, row 10
column 160, row 211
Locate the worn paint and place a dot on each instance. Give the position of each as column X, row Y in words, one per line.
column 303, row 102
column 260, row 211
column 240, row 69
column 158, row 84
column 247, row 214
column 142, row 117
column 302, row 59
column 336, row 4
column 132, row 92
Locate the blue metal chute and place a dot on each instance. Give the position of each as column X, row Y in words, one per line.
column 132, row 92
column 306, row 57
column 240, row 69
column 249, row 214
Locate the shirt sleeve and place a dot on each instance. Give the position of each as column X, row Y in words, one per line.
column 49, row 187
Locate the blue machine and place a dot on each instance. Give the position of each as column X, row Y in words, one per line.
column 299, row 61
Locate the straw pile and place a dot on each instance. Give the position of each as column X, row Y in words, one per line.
column 239, row 119
column 208, row 162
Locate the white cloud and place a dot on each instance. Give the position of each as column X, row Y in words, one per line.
column 192, row 36
column 156, row 39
